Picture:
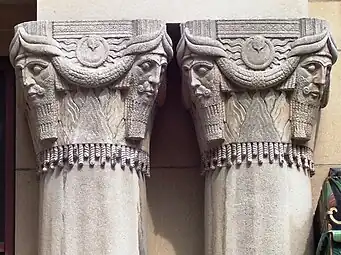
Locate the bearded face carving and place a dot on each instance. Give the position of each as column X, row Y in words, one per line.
column 146, row 77
column 204, row 82
column 38, row 81
column 311, row 93
column 201, row 75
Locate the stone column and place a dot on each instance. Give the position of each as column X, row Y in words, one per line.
column 255, row 89
column 91, row 88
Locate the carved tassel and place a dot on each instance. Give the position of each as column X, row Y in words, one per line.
column 97, row 151
column 290, row 155
column 254, row 149
column 60, row 156
column 65, row 153
column 219, row 163
column 86, row 151
column 108, row 151
column 123, row 157
column 70, row 156
column 265, row 149
column 249, row 153
column 92, row 155
column 260, row 153
column 229, row 155
column 276, row 149
column 80, row 155
column 234, row 150
column 271, row 152
column 45, row 161
column 243, row 149
column 294, row 151
column 239, row 154
column 103, row 155
column 55, row 155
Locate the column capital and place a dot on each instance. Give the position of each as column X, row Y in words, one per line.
column 255, row 87
column 91, row 87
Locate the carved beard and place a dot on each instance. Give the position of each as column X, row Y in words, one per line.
column 210, row 112
column 303, row 112
column 46, row 115
column 138, row 112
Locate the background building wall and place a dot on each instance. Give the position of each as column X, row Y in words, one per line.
column 175, row 189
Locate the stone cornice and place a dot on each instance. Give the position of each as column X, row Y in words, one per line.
column 91, row 88
column 256, row 83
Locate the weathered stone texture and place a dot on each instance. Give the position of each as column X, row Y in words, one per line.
column 255, row 89
column 90, row 90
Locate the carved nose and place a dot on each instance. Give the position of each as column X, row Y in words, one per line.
column 320, row 77
column 28, row 81
column 155, row 76
column 195, row 83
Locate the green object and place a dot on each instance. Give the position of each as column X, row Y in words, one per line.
column 328, row 215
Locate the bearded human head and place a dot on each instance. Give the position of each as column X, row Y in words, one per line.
column 31, row 57
column 144, row 80
column 312, row 83
column 203, row 83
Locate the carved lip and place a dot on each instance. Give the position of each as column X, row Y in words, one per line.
column 149, row 94
column 33, row 96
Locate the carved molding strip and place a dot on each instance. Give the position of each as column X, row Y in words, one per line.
column 94, row 154
column 259, row 153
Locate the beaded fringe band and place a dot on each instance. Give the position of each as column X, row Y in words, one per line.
column 237, row 153
column 101, row 154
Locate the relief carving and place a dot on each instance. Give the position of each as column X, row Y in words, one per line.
column 255, row 93
column 91, row 92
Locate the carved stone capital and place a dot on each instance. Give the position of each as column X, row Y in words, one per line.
column 90, row 88
column 255, row 87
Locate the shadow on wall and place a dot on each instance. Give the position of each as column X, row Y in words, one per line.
column 175, row 190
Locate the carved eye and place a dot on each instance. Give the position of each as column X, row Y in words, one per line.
column 146, row 66
column 311, row 67
column 37, row 68
column 203, row 69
